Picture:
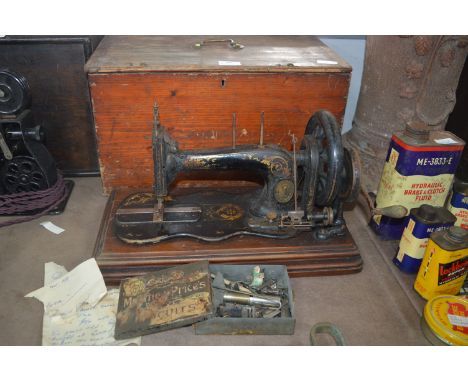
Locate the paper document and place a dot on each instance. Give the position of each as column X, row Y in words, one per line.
column 78, row 309
column 52, row 227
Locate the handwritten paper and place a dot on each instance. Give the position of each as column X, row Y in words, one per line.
column 78, row 309
column 64, row 296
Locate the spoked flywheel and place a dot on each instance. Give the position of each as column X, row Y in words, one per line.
column 324, row 131
column 22, row 174
column 350, row 176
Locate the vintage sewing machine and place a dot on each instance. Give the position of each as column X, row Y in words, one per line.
column 303, row 189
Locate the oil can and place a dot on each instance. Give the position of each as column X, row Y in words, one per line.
column 445, row 263
column 422, row 222
column 419, row 168
column 457, row 203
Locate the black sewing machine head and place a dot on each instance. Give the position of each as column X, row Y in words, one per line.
column 303, row 190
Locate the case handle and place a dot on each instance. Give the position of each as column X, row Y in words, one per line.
column 230, row 41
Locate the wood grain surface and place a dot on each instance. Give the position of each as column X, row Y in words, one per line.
column 303, row 255
column 178, row 53
column 197, row 109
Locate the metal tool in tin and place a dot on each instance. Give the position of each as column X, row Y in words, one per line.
column 231, row 310
column 252, row 300
column 303, row 190
column 267, row 287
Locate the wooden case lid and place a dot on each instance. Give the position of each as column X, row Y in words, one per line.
column 180, row 53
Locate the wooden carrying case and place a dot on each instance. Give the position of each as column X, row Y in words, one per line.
column 198, row 89
column 198, row 83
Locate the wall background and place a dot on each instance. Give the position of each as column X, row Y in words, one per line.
column 352, row 49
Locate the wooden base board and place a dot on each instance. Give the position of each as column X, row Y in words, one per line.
column 303, row 255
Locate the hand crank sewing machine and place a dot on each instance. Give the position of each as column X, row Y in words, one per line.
column 303, row 190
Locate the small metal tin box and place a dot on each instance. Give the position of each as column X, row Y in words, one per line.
column 229, row 325
column 184, row 295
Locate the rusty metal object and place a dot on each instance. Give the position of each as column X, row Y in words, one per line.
column 406, row 78
column 163, row 300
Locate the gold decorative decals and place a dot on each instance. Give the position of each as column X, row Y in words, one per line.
column 229, row 212
column 284, row 191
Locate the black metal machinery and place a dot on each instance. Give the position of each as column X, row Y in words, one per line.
column 303, row 190
column 25, row 163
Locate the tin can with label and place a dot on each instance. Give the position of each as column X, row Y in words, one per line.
column 458, row 203
column 419, row 168
column 422, row 222
column 444, row 265
column 445, row 320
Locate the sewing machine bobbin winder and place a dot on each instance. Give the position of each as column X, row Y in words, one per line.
column 303, row 190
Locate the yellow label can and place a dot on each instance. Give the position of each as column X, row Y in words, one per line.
column 445, row 320
column 445, row 263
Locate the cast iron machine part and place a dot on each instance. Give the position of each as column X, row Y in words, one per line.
column 304, row 190
column 25, row 163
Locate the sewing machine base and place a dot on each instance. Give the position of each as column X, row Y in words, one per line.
column 207, row 215
column 304, row 255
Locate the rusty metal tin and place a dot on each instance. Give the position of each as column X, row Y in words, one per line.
column 163, row 300
column 419, row 168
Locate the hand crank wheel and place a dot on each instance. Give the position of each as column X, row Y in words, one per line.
column 14, row 92
column 351, row 176
column 324, row 130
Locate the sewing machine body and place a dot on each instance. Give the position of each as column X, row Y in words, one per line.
column 303, row 190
